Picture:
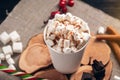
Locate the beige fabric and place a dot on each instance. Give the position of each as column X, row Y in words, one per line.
column 28, row 16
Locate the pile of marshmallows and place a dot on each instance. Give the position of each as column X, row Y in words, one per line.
column 67, row 33
column 8, row 50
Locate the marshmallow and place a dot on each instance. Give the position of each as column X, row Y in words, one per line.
column 86, row 26
column 86, row 36
column 50, row 42
column 51, row 29
column 69, row 36
column 67, row 31
column 10, row 61
column 7, row 56
column 77, row 36
column 101, row 30
column 60, row 43
column 51, row 26
column 68, row 16
column 70, row 27
column 60, row 17
column 5, row 38
column 66, row 43
column 67, row 50
column 116, row 77
column 75, row 20
column 0, row 61
column 2, row 56
column 72, row 43
column 11, row 66
column 59, row 49
column 54, row 47
column 52, row 37
column 14, row 36
column 17, row 47
column 7, row 50
column 50, row 23
column 56, row 23
column 66, row 23
column 60, row 28
column 73, row 49
column 80, row 43
column 57, row 16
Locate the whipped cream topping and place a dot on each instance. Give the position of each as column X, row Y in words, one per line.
column 67, row 33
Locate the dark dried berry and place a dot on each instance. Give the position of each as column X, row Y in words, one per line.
column 98, row 69
column 62, row 4
column 87, row 76
column 64, row 9
column 54, row 13
column 71, row 3
column 98, row 65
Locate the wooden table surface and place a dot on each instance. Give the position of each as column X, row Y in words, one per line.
column 28, row 16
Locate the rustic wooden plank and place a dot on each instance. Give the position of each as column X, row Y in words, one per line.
column 28, row 16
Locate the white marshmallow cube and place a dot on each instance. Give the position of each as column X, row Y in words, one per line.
column 86, row 36
column 68, row 16
column 60, row 17
column 52, row 37
column 7, row 50
column 50, row 26
column 60, row 43
column 5, row 38
column 73, row 49
column 14, row 36
column 116, row 77
column 60, row 28
column 59, row 49
column 67, row 50
column 17, row 47
column 10, row 61
column 7, row 56
column 11, row 66
column 2, row 56
column 66, row 43
column 70, row 27
column 57, row 16
column 50, row 42
column 101, row 30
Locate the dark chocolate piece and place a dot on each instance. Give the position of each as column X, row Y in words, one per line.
column 90, row 58
column 87, row 76
column 98, row 70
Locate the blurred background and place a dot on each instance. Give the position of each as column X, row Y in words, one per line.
column 111, row 7
column 6, row 6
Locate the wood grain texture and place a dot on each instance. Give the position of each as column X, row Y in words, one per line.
column 28, row 16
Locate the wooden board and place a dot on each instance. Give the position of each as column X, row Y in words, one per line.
column 32, row 62
column 28, row 16
column 78, row 75
column 96, row 50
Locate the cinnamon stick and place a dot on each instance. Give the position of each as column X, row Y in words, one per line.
column 111, row 30
column 108, row 37
column 115, row 46
column 116, row 49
